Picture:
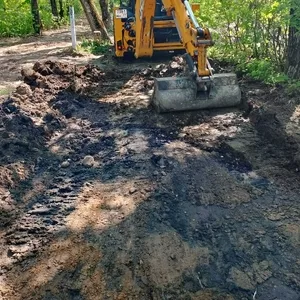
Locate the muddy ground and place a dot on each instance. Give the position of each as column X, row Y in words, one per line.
column 102, row 198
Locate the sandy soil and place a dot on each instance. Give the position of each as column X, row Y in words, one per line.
column 102, row 198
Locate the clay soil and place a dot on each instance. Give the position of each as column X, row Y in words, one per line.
column 103, row 198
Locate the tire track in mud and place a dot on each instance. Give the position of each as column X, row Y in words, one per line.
column 123, row 203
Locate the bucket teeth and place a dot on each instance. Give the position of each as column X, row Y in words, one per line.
column 182, row 93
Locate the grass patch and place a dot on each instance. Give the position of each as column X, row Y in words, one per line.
column 263, row 70
column 5, row 91
column 95, row 47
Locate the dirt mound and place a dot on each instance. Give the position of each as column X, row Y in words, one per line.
column 30, row 116
column 50, row 67
column 174, row 68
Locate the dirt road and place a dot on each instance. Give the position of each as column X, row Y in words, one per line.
column 16, row 53
column 101, row 198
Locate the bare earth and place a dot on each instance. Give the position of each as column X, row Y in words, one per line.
column 16, row 53
column 102, row 198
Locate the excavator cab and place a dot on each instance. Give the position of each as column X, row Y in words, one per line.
column 165, row 34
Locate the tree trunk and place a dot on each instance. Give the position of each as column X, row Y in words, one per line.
column 54, row 8
column 37, row 23
column 94, row 18
column 61, row 9
column 293, row 53
column 106, row 17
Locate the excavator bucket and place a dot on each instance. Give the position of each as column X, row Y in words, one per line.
column 183, row 93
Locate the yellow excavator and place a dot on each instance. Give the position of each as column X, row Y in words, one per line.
column 145, row 27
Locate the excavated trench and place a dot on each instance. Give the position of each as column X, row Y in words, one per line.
column 102, row 198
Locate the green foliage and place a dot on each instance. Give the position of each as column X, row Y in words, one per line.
column 264, row 70
column 249, row 29
column 77, row 6
column 16, row 17
column 46, row 15
column 95, row 47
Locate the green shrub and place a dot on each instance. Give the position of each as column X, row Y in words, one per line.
column 264, row 70
column 16, row 22
column 248, row 29
column 16, row 17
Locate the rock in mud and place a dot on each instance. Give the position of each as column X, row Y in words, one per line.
column 257, row 92
column 88, row 161
column 65, row 164
column 174, row 65
column 41, row 211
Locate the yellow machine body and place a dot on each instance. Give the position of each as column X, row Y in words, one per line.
column 142, row 27
column 125, row 42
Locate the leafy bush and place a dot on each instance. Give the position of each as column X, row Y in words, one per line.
column 16, row 17
column 263, row 70
column 251, row 34
column 247, row 29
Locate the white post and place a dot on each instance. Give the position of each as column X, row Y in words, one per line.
column 73, row 30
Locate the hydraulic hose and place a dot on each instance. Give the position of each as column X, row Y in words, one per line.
column 188, row 7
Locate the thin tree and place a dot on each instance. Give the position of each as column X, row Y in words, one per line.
column 3, row 5
column 54, row 9
column 106, row 17
column 94, row 18
column 37, row 23
column 61, row 9
column 293, row 52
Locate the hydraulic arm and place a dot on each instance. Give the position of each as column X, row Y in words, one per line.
column 194, row 39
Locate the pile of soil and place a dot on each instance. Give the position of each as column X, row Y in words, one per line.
column 102, row 198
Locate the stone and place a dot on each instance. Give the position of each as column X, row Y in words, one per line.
column 175, row 65
column 88, row 161
column 18, row 249
column 256, row 92
column 41, row 211
column 65, row 164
